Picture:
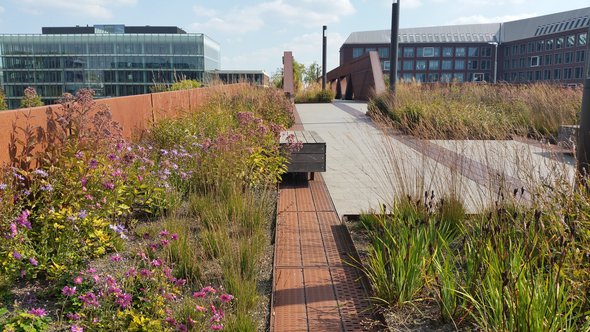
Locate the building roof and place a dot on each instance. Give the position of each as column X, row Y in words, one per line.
column 111, row 29
column 546, row 24
column 480, row 33
column 469, row 33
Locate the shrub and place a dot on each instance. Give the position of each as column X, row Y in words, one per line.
column 313, row 93
column 30, row 98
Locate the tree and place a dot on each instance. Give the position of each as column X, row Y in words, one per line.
column 31, row 99
column 185, row 84
column 312, row 73
column 3, row 105
column 298, row 73
column 277, row 78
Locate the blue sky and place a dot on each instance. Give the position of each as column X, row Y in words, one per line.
column 254, row 34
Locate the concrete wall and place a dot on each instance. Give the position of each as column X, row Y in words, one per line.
column 134, row 113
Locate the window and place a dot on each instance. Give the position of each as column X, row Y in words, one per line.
column 549, row 44
column 486, row 51
column 408, row 52
column 558, row 58
column 515, row 64
column 506, row 65
column 459, row 64
column 514, row 50
column 473, row 52
column 408, row 65
column 547, row 74
column 540, row 45
column 408, row 77
column 357, row 52
column 570, row 42
column 530, row 47
column 472, row 64
column 548, row 60
column 580, row 56
column 559, row 42
column 557, row 74
column 521, row 63
column 433, row 65
column 420, row 64
column 433, row 77
column 507, row 51
column 446, row 77
column 460, row 51
column 421, row 77
column 578, row 73
column 476, row 77
column 567, row 73
column 447, row 52
column 582, row 39
column 534, row 61
column 383, row 52
column 459, row 77
column 522, row 48
column 485, row 65
column 569, row 57
column 386, row 65
column 447, row 65
column 428, row 52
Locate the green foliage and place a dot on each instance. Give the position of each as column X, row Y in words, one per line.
column 3, row 103
column 478, row 111
column 23, row 321
column 312, row 73
column 30, row 98
column 313, row 93
column 185, row 84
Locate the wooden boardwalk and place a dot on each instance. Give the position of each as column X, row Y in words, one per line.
column 314, row 288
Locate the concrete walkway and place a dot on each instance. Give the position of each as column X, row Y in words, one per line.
column 366, row 168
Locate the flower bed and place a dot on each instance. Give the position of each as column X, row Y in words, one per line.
column 132, row 235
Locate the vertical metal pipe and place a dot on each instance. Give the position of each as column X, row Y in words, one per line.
column 583, row 148
column 324, row 54
column 394, row 47
column 496, row 63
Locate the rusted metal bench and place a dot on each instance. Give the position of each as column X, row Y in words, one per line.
column 312, row 155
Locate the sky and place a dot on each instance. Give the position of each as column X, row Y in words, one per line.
column 254, row 34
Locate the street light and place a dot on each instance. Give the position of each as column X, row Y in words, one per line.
column 394, row 46
column 495, row 60
column 583, row 148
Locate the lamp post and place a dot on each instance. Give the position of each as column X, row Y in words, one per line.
column 495, row 60
column 324, row 54
column 583, row 148
column 394, row 46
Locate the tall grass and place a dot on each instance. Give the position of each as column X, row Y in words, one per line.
column 479, row 111
column 314, row 93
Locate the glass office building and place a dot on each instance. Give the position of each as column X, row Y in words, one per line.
column 114, row 60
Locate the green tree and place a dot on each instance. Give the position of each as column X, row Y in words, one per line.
column 298, row 72
column 185, row 84
column 3, row 105
column 276, row 79
column 312, row 73
column 31, row 98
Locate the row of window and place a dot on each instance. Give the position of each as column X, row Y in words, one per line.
column 546, row 60
column 446, row 77
column 429, row 52
column 422, row 65
column 546, row 74
column 103, row 62
column 178, row 47
column 94, row 76
column 547, row 44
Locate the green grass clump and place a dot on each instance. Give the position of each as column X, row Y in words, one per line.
column 478, row 111
column 314, row 94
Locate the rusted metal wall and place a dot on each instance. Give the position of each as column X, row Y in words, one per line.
column 134, row 113
column 359, row 79
column 288, row 79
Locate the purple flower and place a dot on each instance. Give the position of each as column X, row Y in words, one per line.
column 156, row 262
column 33, row 261
column 73, row 316
column 208, row 289
column 41, row 173
column 108, row 185
column 89, row 300
column 82, row 214
column 13, row 230
column 200, row 294
column 132, row 272
column 76, row 328
column 78, row 280
column 145, row 273
column 23, row 219
column 93, row 164
column 84, row 181
column 116, row 258
column 39, row 312
column 79, row 155
column 216, row 327
column 174, row 237
column 164, row 233
column 17, row 255
column 47, row 187
column 112, row 157
column 68, row 291
column 3, row 186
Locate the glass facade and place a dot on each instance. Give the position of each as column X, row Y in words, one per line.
column 111, row 63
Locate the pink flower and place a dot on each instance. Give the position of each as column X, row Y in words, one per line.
column 201, row 294
column 225, row 298
column 39, row 312
column 73, row 316
column 208, row 289
column 200, row 308
column 78, row 280
column 17, row 255
column 124, row 300
column 116, row 258
column 164, row 233
column 68, row 291
column 145, row 273
column 33, row 261
column 174, row 237
column 156, row 262
column 13, row 231
column 89, row 300
column 216, row 327
column 132, row 272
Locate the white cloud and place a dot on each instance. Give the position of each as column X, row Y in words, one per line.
column 483, row 19
column 91, row 8
column 244, row 19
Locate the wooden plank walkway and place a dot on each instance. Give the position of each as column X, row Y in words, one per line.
column 314, row 289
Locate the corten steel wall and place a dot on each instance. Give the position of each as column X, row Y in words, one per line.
column 134, row 113
column 358, row 79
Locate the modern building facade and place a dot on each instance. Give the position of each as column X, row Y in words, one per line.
column 544, row 48
column 114, row 60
